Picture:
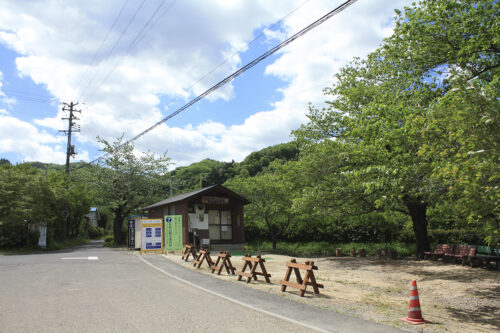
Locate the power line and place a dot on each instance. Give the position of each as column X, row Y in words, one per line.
column 240, row 71
column 102, row 43
column 134, row 43
column 116, row 43
column 248, row 44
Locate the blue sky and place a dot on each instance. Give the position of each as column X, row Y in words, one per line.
column 44, row 61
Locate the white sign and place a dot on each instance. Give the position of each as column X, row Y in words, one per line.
column 42, row 239
column 197, row 221
column 152, row 235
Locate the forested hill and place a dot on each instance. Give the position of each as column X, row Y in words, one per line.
column 208, row 172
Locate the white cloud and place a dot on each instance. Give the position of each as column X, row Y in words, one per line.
column 33, row 145
column 189, row 41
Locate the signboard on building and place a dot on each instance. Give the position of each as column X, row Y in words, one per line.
column 214, row 200
column 173, row 232
column 131, row 234
column 152, row 235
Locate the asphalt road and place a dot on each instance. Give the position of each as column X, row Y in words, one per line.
column 94, row 289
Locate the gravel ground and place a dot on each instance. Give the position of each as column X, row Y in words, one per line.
column 454, row 298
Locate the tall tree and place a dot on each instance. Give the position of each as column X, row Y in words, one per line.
column 381, row 106
column 271, row 202
column 127, row 182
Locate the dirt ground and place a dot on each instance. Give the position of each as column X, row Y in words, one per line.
column 454, row 298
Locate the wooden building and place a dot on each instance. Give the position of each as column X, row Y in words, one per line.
column 213, row 213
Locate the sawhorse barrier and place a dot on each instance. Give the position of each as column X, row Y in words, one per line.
column 204, row 255
column 226, row 263
column 187, row 251
column 252, row 264
column 301, row 283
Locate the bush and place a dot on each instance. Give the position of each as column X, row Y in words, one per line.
column 307, row 249
column 95, row 232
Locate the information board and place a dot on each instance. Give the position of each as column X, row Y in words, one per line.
column 152, row 234
column 173, row 232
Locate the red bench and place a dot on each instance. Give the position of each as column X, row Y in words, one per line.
column 439, row 252
column 460, row 253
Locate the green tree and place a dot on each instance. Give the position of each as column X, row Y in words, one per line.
column 375, row 125
column 271, row 202
column 127, row 182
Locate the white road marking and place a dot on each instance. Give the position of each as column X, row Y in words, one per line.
column 234, row 300
column 81, row 258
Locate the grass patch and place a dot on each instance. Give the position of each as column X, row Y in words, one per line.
column 327, row 249
column 53, row 245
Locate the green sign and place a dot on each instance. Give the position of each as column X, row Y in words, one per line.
column 173, row 232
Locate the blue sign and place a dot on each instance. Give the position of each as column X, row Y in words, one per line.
column 169, row 219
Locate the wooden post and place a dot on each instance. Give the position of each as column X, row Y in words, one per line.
column 187, row 251
column 204, row 255
column 226, row 263
column 252, row 264
column 353, row 252
column 362, row 252
column 309, row 278
column 338, row 252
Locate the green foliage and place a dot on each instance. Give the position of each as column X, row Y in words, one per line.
column 128, row 182
column 95, row 232
column 271, row 203
column 413, row 122
column 258, row 161
column 307, row 249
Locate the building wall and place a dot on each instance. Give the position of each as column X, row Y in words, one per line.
column 181, row 208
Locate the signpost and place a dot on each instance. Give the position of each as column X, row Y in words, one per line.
column 173, row 233
column 131, row 234
column 152, row 234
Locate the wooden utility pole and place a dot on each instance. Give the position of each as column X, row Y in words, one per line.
column 70, row 151
column 72, row 127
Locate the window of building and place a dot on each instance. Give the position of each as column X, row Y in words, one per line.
column 219, row 223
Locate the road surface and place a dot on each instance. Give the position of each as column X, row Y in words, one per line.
column 95, row 289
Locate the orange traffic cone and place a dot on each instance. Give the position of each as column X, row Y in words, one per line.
column 414, row 312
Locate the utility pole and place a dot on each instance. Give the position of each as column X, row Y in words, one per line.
column 72, row 127
column 70, row 151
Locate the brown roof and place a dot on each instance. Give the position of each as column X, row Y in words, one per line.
column 188, row 195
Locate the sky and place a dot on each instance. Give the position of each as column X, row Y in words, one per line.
column 131, row 63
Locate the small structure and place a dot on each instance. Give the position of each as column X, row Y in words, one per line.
column 213, row 215
column 93, row 216
column 134, row 231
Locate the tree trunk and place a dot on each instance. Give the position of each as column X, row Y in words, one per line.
column 117, row 225
column 418, row 213
column 274, row 240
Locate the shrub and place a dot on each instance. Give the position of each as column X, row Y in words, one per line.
column 95, row 232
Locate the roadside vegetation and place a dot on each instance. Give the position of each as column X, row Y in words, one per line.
column 404, row 155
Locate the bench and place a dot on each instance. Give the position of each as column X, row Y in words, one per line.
column 439, row 252
column 460, row 252
column 484, row 257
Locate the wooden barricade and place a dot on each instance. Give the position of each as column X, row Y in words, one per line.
column 204, row 255
column 187, row 251
column 226, row 263
column 301, row 283
column 252, row 264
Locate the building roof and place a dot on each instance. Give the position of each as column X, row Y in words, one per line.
column 188, row 195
